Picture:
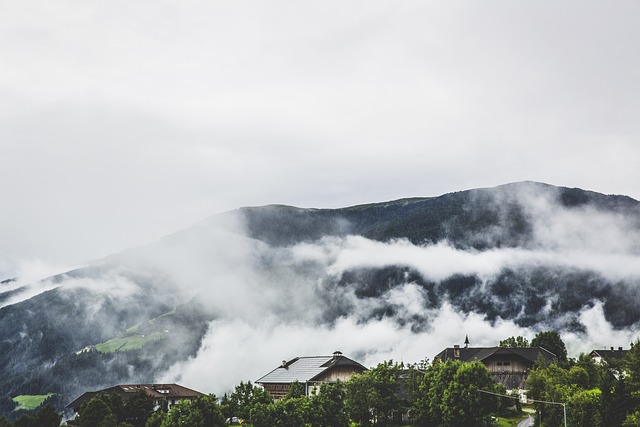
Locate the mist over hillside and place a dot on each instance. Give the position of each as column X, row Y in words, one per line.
column 229, row 298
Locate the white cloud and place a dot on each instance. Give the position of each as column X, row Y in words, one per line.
column 235, row 350
column 599, row 333
column 287, row 320
column 30, row 278
column 122, row 123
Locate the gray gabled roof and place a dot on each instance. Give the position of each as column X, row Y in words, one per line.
column 306, row 368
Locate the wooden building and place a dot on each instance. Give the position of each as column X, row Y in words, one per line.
column 172, row 393
column 508, row 366
column 311, row 372
column 611, row 356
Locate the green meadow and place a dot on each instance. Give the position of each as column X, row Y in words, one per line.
column 132, row 342
column 29, row 402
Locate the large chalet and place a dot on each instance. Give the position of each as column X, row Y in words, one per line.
column 310, row 371
column 172, row 393
column 508, row 366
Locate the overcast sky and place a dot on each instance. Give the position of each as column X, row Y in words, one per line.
column 121, row 121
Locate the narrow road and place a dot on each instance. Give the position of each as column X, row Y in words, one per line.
column 526, row 422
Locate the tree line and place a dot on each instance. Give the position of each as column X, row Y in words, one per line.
column 439, row 394
column 442, row 393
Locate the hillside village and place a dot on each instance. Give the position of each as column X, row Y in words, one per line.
column 462, row 386
column 105, row 324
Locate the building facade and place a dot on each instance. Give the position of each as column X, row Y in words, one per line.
column 311, row 372
column 169, row 393
column 508, row 366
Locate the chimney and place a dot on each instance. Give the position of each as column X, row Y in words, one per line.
column 337, row 354
column 284, row 364
column 611, row 348
column 619, row 348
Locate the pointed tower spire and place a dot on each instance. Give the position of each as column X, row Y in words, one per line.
column 466, row 341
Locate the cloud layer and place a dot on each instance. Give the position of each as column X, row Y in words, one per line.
column 122, row 123
column 263, row 302
column 312, row 302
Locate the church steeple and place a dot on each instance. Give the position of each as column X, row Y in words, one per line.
column 466, row 341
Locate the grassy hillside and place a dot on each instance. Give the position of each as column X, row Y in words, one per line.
column 29, row 402
column 136, row 329
column 132, row 342
column 139, row 335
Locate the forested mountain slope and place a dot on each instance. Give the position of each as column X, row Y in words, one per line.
column 534, row 255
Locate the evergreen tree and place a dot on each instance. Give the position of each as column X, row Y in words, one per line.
column 47, row 416
column 137, row 409
column 94, row 412
column 25, row 420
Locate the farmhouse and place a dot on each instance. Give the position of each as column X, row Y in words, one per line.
column 173, row 393
column 310, row 371
column 612, row 356
column 508, row 366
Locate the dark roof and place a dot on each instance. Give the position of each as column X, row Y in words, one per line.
column 609, row 354
column 530, row 354
column 170, row 391
column 307, row 368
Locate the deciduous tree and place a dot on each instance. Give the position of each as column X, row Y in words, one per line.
column 243, row 399
column 465, row 402
column 585, row 408
column 373, row 396
column 201, row 412
column 428, row 406
column 551, row 341
column 328, row 407
column 94, row 412
column 514, row 342
column 360, row 399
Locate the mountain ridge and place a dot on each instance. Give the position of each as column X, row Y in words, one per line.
column 515, row 253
